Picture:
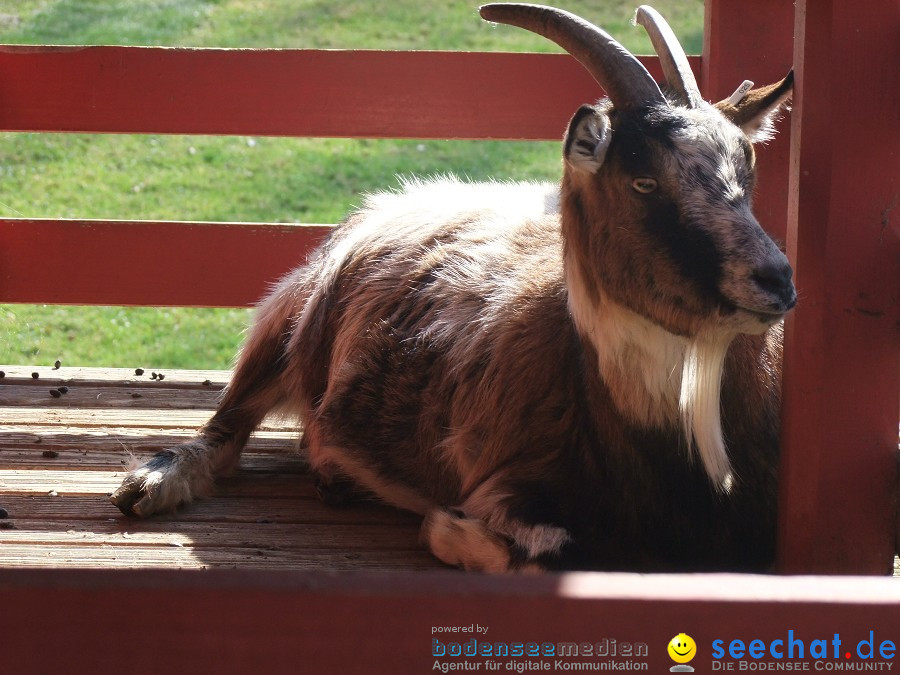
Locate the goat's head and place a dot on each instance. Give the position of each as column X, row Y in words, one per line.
column 656, row 218
column 657, row 187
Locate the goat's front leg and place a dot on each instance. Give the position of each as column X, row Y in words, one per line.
column 177, row 475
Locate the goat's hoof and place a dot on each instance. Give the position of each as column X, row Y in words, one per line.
column 465, row 542
column 160, row 485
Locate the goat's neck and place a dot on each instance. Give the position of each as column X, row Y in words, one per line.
column 640, row 363
column 656, row 379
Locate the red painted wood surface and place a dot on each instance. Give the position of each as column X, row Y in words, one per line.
column 738, row 47
column 372, row 94
column 233, row 622
column 147, row 263
column 839, row 477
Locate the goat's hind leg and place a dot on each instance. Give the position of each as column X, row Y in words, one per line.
column 493, row 543
column 465, row 542
column 177, row 475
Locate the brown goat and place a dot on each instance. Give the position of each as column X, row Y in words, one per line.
column 545, row 373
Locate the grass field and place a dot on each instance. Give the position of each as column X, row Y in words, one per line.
column 236, row 178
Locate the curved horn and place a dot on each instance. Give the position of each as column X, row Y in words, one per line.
column 621, row 75
column 671, row 56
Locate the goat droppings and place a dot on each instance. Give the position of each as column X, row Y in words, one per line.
column 55, row 394
column 138, row 371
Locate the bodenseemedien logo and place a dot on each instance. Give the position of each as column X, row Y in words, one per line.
column 682, row 649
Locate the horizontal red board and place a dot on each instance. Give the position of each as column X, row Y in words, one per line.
column 316, row 93
column 101, row 262
column 245, row 621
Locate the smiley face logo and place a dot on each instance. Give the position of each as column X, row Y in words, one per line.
column 682, row 649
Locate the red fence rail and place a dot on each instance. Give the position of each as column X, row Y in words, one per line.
column 289, row 92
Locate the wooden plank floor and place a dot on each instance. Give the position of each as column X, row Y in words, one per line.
column 61, row 455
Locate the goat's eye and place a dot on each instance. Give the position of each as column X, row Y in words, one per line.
column 644, row 185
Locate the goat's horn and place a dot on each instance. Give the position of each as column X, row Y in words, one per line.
column 621, row 75
column 671, row 56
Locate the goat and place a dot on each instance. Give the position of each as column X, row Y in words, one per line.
column 545, row 372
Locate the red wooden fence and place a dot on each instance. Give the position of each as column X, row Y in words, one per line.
column 839, row 501
column 254, row 92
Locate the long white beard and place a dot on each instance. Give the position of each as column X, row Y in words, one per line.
column 700, row 403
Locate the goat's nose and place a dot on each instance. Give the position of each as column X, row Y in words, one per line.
column 775, row 278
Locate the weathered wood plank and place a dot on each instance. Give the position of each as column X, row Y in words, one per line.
column 78, row 395
column 131, row 557
column 276, row 536
column 274, row 458
column 106, row 446
column 79, row 482
column 110, row 417
column 19, row 374
column 218, row 509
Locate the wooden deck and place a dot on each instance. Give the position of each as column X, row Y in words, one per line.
column 61, row 455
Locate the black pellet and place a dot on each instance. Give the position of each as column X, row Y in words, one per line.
column 50, row 454
column 62, row 390
column 3, row 513
column 138, row 371
column 54, row 393
column 35, row 375
column 57, row 364
column 160, row 377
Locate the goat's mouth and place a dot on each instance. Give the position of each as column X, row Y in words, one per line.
column 748, row 318
column 763, row 314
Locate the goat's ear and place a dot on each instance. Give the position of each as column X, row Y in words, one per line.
column 756, row 112
column 587, row 140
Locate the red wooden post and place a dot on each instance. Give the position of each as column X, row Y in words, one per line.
column 839, row 474
column 752, row 41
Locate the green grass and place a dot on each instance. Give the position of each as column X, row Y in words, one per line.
column 128, row 337
column 236, row 178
